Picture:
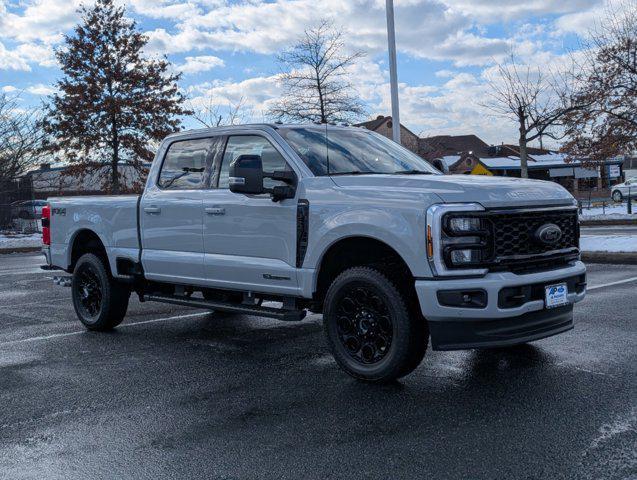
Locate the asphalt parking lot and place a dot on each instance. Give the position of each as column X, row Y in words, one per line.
column 182, row 393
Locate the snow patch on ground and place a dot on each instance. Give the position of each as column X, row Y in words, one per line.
column 610, row 430
column 610, row 212
column 19, row 240
column 614, row 243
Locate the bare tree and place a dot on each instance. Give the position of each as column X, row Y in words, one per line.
column 536, row 101
column 608, row 78
column 314, row 78
column 20, row 139
column 214, row 114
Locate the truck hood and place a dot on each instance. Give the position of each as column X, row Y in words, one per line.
column 489, row 191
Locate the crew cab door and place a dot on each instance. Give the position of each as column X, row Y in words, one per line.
column 249, row 240
column 170, row 213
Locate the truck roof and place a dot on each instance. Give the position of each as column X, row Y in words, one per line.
column 274, row 126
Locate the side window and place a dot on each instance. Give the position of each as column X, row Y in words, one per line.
column 185, row 165
column 252, row 145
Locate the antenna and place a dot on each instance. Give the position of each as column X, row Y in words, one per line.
column 327, row 152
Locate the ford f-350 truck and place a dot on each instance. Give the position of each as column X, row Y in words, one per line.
column 275, row 220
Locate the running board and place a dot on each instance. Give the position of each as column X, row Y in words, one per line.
column 278, row 313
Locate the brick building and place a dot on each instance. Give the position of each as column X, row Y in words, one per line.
column 384, row 125
column 468, row 154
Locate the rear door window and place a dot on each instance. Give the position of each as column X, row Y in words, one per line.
column 185, row 164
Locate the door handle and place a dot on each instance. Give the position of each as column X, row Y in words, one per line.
column 151, row 210
column 215, row 210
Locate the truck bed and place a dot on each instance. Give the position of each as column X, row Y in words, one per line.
column 113, row 219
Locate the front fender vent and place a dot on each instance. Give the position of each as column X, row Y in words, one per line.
column 302, row 230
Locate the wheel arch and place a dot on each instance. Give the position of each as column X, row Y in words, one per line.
column 85, row 240
column 358, row 250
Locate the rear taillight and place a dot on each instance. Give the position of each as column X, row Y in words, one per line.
column 46, row 225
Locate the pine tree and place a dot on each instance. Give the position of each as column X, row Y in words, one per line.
column 112, row 102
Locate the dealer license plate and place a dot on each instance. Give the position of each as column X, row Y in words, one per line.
column 556, row 295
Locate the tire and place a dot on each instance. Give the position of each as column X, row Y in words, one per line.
column 372, row 328
column 617, row 196
column 99, row 300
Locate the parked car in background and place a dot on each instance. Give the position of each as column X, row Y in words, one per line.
column 27, row 210
column 621, row 190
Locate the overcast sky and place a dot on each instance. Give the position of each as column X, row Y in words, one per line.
column 227, row 49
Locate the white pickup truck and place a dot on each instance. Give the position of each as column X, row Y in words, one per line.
column 275, row 220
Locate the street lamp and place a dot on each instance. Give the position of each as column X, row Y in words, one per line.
column 393, row 75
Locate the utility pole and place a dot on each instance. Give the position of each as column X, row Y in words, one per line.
column 393, row 75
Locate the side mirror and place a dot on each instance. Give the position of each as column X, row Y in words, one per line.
column 246, row 175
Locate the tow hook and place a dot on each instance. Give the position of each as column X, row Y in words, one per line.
column 64, row 281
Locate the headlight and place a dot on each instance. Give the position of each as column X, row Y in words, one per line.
column 458, row 239
column 462, row 225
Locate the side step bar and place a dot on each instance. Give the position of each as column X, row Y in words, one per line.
column 278, row 313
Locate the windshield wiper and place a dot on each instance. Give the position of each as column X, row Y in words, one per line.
column 412, row 172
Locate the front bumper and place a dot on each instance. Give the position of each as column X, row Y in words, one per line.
column 454, row 328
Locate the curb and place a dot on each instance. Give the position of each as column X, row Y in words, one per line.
column 20, row 250
column 613, row 258
column 617, row 221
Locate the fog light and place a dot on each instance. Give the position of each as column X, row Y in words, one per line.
column 463, row 257
column 463, row 298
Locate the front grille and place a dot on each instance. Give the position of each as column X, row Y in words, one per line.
column 513, row 233
column 514, row 243
column 507, row 239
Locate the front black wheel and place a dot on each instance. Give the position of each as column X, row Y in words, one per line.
column 617, row 196
column 99, row 300
column 372, row 328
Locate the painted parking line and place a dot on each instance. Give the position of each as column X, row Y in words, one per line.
column 31, row 271
column 124, row 325
column 44, row 304
column 610, row 284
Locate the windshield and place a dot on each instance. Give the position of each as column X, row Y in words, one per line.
column 352, row 151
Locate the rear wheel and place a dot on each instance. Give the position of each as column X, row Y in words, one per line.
column 617, row 196
column 100, row 301
column 372, row 332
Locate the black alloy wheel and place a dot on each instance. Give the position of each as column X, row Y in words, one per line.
column 373, row 327
column 365, row 327
column 100, row 300
column 89, row 290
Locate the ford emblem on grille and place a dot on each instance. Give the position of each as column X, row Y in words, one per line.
column 548, row 234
